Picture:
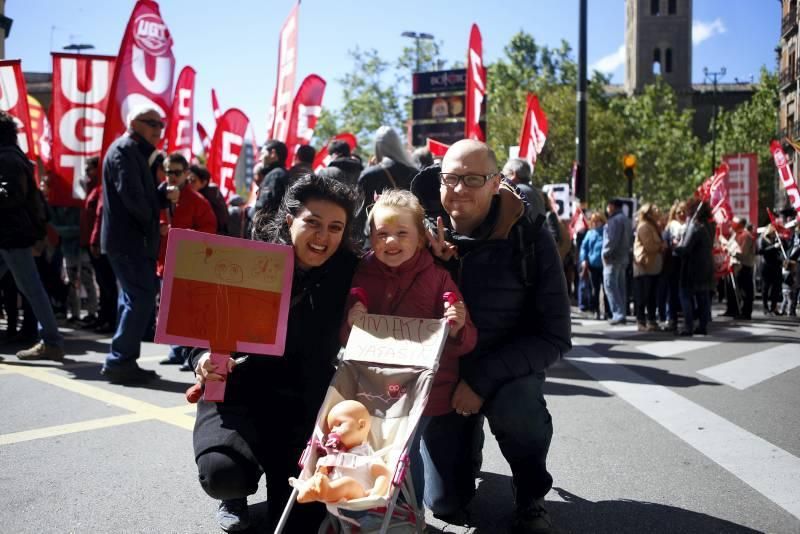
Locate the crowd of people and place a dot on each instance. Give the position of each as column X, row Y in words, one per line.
column 404, row 227
column 670, row 265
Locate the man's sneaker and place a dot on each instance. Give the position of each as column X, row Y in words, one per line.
column 41, row 351
column 232, row 515
column 616, row 322
column 128, row 375
column 532, row 519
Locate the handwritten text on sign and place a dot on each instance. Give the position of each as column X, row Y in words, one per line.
column 396, row 340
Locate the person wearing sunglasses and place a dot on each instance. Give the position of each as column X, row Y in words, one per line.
column 507, row 267
column 130, row 238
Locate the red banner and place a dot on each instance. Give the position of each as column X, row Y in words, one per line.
column 81, row 94
column 322, row 158
column 181, row 118
column 476, row 86
column 782, row 231
column 305, row 112
column 278, row 123
column 534, row 131
column 785, row 172
column 578, row 222
column 145, row 67
column 719, row 198
column 438, row 150
column 14, row 101
column 215, row 106
column 743, row 185
column 225, row 149
column 205, row 140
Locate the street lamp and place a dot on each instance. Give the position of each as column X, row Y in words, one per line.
column 78, row 47
column 714, row 76
column 417, row 36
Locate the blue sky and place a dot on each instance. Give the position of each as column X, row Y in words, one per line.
column 233, row 45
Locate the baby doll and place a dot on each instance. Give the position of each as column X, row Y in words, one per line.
column 348, row 471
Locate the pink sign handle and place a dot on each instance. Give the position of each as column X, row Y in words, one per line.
column 215, row 389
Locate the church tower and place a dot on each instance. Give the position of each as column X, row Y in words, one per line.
column 658, row 41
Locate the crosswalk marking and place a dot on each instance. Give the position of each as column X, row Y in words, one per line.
column 770, row 470
column 663, row 349
column 752, row 369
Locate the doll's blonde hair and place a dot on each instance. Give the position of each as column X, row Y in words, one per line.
column 401, row 200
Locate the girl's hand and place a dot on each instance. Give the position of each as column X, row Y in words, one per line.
column 206, row 370
column 356, row 313
column 456, row 316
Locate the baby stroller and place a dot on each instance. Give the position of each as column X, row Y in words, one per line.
column 392, row 378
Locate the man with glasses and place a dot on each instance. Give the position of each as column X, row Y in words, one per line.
column 130, row 238
column 508, row 269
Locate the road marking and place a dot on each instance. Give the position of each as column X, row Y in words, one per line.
column 752, row 369
column 173, row 416
column 663, row 349
column 60, row 430
column 768, row 469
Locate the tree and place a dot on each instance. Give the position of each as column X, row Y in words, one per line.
column 660, row 135
column 750, row 127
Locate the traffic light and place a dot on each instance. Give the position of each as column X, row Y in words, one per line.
column 629, row 166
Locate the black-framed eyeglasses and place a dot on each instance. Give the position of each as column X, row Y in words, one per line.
column 173, row 172
column 153, row 123
column 470, row 180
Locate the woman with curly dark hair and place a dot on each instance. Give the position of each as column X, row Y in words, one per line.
column 271, row 402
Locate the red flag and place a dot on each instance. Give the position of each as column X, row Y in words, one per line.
column 225, row 149
column 476, row 86
column 215, row 105
column 14, row 101
column 534, row 131
column 305, row 112
column 785, row 172
column 205, row 140
column 145, row 67
column 578, row 222
column 181, row 117
column 719, row 198
column 438, row 150
column 278, row 123
column 783, row 232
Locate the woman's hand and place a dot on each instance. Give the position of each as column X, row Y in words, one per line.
column 206, row 370
column 356, row 313
column 444, row 250
column 163, row 229
column 456, row 316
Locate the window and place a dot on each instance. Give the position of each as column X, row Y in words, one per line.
column 668, row 60
column 655, row 8
column 657, row 62
column 672, row 7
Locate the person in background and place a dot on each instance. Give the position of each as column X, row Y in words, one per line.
column 237, row 217
column 422, row 157
column 617, row 236
column 200, row 180
column 741, row 247
column 697, row 271
column 104, row 274
column 22, row 223
column 769, row 247
column 648, row 260
column 276, row 180
column 672, row 236
column 518, row 172
column 591, row 260
column 130, row 238
column 393, row 170
column 342, row 159
column 303, row 159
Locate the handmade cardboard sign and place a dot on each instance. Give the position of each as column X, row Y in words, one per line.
column 225, row 294
column 393, row 340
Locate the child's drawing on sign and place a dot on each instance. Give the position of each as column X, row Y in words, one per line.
column 229, row 272
column 266, row 269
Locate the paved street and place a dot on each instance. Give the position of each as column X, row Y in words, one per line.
column 652, row 434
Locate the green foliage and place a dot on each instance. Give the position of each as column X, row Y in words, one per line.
column 669, row 162
column 750, row 127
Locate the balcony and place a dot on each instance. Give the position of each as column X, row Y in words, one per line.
column 787, row 77
column 789, row 21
